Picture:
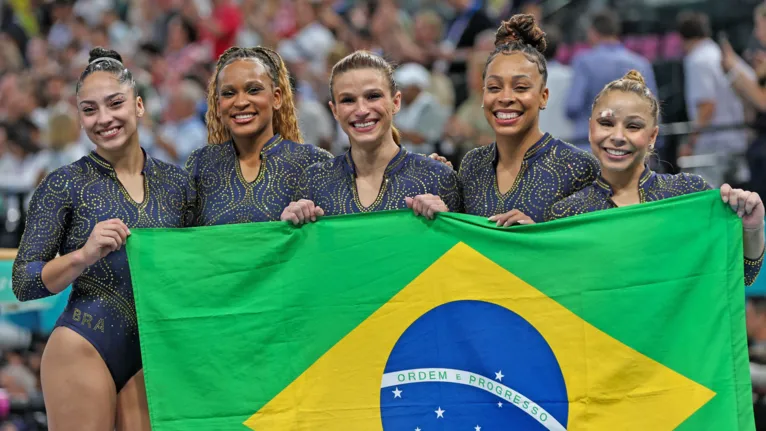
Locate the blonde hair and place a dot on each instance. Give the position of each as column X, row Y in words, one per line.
column 62, row 129
column 285, row 120
column 632, row 82
column 366, row 60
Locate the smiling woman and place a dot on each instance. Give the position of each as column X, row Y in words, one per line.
column 249, row 171
column 376, row 173
column 516, row 179
column 623, row 130
column 78, row 221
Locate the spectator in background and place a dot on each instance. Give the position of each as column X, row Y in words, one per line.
column 711, row 102
column 468, row 128
column 428, row 30
column 20, row 168
column 314, row 121
column 183, row 51
column 184, row 131
column 154, row 17
column 122, row 37
column 92, row 11
column 421, row 118
column 531, row 7
column 40, row 60
column 752, row 91
column 470, row 20
column 60, row 34
column 63, row 147
column 11, row 28
column 257, row 16
column 219, row 30
column 10, row 56
column 313, row 40
column 427, row 34
column 607, row 61
column 553, row 119
column 55, row 92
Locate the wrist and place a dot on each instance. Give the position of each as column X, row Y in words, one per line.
column 79, row 259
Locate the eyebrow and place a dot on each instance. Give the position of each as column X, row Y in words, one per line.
column 365, row 91
column 612, row 116
column 108, row 97
column 247, row 83
column 514, row 77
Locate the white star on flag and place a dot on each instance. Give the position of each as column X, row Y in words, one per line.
column 397, row 393
column 499, row 376
column 439, row 413
column 500, row 405
column 477, row 428
column 417, row 429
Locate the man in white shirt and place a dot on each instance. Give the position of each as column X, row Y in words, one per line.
column 710, row 102
column 422, row 118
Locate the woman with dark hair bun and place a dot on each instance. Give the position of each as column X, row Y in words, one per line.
column 79, row 219
column 516, row 179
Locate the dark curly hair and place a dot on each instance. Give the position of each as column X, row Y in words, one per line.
column 521, row 34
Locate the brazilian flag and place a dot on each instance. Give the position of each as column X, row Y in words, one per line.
column 626, row 319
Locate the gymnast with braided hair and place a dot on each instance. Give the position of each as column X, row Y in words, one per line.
column 249, row 170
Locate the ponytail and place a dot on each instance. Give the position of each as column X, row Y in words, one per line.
column 397, row 135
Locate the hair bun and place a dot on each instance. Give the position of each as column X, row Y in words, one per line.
column 521, row 28
column 634, row 75
column 100, row 52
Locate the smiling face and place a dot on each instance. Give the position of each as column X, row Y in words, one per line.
column 513, row 94
column 247, row 98
column 622, row 132
column 363, row 105
column 109, row 111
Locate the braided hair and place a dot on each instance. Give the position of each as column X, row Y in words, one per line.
column 285, row 120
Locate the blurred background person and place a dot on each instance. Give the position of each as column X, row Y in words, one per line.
column 607, row 61
column 421, row 117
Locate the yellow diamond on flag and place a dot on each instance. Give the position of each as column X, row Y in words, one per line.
column 609, row 386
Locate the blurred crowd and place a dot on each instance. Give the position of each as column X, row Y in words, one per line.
column 440, row 49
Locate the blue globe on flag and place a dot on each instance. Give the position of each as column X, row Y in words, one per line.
column 472, row 365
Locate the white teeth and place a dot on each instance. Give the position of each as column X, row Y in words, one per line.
column 244, row 116
column 364, row 125
column 616, row 152
column 111, row 132
column 506, row 115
